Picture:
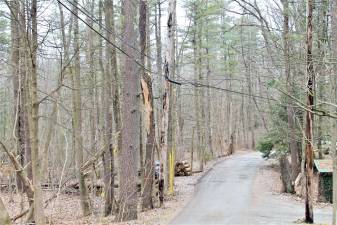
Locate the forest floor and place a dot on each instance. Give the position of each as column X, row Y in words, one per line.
column 263, row 190
column 65, row 209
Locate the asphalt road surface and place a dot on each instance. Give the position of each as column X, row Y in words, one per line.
column 226, row 196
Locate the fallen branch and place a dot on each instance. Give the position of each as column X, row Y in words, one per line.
column 23, row 213
column 20, row 170
column 93, row 160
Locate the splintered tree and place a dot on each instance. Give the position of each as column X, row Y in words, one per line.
column 146, row 84
column 167, row 152
column 309, row 153
column 170, row 67
column 130, row 117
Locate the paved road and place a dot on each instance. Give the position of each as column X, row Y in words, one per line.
column 225, row 196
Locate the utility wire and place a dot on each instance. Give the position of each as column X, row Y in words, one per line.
column 185, row 82
column 106, row 39
column 96, row 20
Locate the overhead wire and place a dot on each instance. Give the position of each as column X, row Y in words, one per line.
column 92, row 17
column 183, row 81
column 102, row 36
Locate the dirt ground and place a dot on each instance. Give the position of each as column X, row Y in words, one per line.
column 65, row 208
column 269, row 179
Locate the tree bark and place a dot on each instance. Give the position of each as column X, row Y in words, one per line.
column 321, row 69
column 309, row 216
column 148, row 172
column 334, row 100
column 159, row 65
column 294, row 151
column 108, row 157
column 146, row 84
column 16, row 40
column 34, row 121
column 130, row 117
column 169, row 72
column 77, row 117
column 197, row 96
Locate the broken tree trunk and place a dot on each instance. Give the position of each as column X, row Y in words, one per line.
column 150, row 142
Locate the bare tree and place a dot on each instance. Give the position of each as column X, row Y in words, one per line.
column 146, row 84
column 294, row 151
column 34, row 120
column 130, row 117
column 108, row 157
column 309, row 153
column 77, row 116
column 334, row 100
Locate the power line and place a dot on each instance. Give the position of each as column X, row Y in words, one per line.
column 106, row 39
column 96, row 20
column 197, row 84
column 185, row 83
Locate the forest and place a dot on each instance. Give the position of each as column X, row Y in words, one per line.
column 103, row 102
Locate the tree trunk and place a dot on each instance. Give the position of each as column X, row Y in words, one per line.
column 19, row 133
column 150, row 143
column 108, row 157
column 321, row 69
column 294, row 151
column 33, row 121
column 201, row 92
column 170, row 65
column 130, row 117
column 197, row 106
column 309, row 216
column 334, row 100
column 208, row 94
column 159, row 65
column 146, row 83
column 77, row 117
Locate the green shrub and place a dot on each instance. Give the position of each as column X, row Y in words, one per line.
column 265, row 146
